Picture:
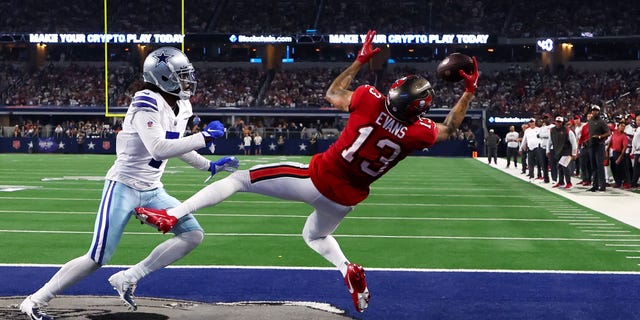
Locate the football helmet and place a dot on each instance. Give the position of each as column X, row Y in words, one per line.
column 170, row 70
column 409, row 97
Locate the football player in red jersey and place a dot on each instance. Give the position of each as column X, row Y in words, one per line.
column 380, row 132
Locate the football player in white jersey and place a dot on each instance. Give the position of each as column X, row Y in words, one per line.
column 151, row 133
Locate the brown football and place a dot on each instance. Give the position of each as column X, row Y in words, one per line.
column 448, row 69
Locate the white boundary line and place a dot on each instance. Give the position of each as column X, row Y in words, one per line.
column 333, row 269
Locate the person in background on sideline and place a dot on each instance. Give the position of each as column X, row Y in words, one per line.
column 563, row 141
column 543, row 134
column 531, row 145
column 584, row 143
column 523, row 155
column 577, row 129
column 635, row 150
column 598, row 133
column 512, row 146
column 492, row 140
column 619, row 158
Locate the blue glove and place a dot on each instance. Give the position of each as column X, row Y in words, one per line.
column 229, row 164
column 215, row 129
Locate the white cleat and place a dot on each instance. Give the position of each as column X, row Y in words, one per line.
column 34, row 310
column 125, row 289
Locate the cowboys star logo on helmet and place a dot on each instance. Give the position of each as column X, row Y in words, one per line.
column 162, row 57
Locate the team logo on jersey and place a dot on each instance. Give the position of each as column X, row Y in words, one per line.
column 150, row 124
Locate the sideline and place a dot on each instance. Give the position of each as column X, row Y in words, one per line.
column 616, row 203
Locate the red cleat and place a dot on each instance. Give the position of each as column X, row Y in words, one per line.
column 568, row 186
column 557, row 185
column 157, row 218
column 357, row 284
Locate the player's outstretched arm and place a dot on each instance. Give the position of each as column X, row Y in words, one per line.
column 338, row 94
column 455, row 117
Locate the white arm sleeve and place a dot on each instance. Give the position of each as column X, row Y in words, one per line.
column 196, row 160
column 153, row 137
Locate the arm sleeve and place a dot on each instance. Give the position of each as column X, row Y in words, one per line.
column 153, row 137
column 196, row 160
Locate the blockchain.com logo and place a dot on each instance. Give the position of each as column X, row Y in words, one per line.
column 233, row 38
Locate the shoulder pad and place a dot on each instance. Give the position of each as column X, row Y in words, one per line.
column 144, row 99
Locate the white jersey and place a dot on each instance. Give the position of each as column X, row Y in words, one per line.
column 635, row 143
column 512, row 139
column 530, row 139
column 545, row 135
column 151, row 134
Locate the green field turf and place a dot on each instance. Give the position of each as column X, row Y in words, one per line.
column 442, row 213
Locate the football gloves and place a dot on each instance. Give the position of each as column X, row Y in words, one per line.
column 229, row 164
column 367, row 51
column 215, row 129
column 471, row 80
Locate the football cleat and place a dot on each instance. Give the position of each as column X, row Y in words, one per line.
column 34, row 310
column 125, row 289
column 557, row 185
column 568, row 186
column 157, row 218
column 357, row 285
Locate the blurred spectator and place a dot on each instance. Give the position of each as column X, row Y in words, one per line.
column 512, row 146
column 491, row 141
column 257, row 143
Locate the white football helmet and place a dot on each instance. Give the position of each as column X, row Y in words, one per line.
column 170, row 70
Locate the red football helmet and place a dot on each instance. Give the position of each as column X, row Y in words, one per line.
column 409, row 97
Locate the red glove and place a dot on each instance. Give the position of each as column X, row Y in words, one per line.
column 471, row 80
column 367, row 50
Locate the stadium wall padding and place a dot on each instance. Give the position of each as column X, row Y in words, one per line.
column 452, row 148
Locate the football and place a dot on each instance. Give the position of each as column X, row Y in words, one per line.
column 448, row 69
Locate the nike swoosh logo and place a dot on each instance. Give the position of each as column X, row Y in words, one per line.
column 350, row 285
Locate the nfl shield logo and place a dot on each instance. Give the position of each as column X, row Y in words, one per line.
column 150, row 124
column 106, row 145
column 16, row 144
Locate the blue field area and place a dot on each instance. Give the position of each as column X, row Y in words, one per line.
column 395, row 294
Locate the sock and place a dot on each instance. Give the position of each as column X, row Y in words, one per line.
column 165, row 254
column 72, row 272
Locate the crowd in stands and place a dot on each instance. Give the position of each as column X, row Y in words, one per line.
column 513, row 91
column 91, row 128
column 515, row 19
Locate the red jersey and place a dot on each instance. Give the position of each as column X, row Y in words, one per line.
column 619, row 141
column 584, row 134
column 372, row 143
